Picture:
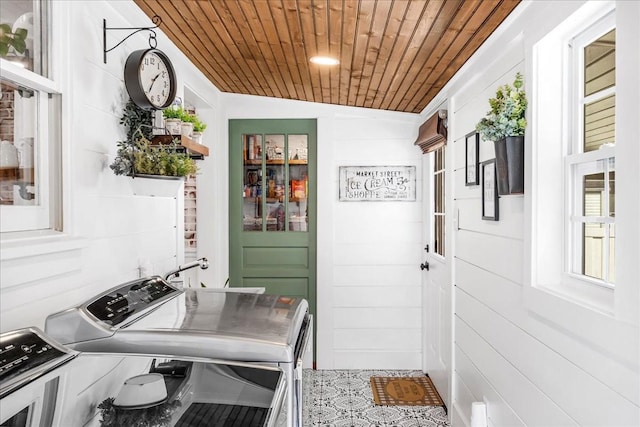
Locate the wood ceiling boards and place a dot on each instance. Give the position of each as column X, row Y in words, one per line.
column 394, row 54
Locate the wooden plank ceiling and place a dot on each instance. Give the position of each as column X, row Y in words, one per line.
column 394, row 54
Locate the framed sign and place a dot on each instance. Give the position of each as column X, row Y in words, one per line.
column 489, row 191
column 472, row 171
column 377, row 183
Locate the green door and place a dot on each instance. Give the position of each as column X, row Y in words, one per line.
column 272, row 206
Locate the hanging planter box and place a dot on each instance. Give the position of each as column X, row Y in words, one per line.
column 510, row 165
column 156, row 185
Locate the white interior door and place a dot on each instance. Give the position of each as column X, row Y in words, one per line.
column 436, row 275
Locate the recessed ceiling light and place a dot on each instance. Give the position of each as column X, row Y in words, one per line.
column 324, row 60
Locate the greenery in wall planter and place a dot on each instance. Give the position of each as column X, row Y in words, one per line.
column 137, row 156
column 505, row 124
column 9, row 39
column 155, row 416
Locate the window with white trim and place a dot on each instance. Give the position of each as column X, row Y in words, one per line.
column 590, row 162
column 573, row 150
column 30, row 113
column 438, row 201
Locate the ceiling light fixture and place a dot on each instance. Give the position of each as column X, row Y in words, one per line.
column 324, row 60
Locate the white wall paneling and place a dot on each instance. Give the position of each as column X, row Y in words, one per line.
column 472, row 386
column 368, row 252
column 531, row 405
column 118, row 230
column 574, row 365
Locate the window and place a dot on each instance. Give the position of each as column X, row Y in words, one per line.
column 29, row 108
column 438, row 202
column 591, row 160
column 575, row 90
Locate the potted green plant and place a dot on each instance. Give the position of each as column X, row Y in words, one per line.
column 155, row 416
column 173, row 119
column 198, row 129
column 188, row 120
column 505, row 124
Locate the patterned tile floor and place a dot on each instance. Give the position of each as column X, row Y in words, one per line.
column 343, row 398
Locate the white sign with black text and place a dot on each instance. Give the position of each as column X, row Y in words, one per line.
column 377, row 183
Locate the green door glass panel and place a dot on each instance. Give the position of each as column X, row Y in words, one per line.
column 272, row 206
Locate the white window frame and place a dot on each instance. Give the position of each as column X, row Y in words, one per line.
column 577, row 160
column 44, row 215
column 549, row 139
column 599, row 317
column 434, row 215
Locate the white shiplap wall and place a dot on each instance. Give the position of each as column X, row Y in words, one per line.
column 108, row 231
column 368, row 280
column 529, row 369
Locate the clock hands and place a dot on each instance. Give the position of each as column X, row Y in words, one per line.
column 153, row 80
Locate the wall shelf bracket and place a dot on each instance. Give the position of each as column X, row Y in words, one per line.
column 153, row 42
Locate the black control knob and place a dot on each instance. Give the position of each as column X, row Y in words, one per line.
column 424, row 266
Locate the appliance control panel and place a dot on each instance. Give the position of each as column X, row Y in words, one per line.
column 118, row 305
column 25, row 351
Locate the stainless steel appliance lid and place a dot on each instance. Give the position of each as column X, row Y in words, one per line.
column 258, row 317
column 150, row 316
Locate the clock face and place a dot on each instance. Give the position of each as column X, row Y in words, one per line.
column 150, row 79
column 155, row 79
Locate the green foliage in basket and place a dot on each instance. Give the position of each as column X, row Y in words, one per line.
column 162, row 160
column 506, row 117
column 141, row 158
column 137, row 156
column 156, row 416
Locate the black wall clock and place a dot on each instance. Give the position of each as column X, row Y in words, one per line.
column 150, row 79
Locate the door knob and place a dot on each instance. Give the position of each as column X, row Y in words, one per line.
column 424, row 266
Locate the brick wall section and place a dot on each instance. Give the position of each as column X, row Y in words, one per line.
column 190, row 210
column 6, row 113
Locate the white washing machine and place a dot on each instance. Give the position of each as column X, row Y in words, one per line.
column 150, row 315
column 45, row 384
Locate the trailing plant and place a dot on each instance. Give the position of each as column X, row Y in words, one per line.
column 159, row 415
column 135, row 118
column 17, row 40
column 506, row 117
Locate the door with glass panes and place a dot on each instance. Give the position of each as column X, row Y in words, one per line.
column 272, row 205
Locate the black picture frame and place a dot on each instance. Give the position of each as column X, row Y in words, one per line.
column 471, row 164
column 490, row 205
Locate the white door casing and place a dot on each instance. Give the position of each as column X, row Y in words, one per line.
column 436, row 288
